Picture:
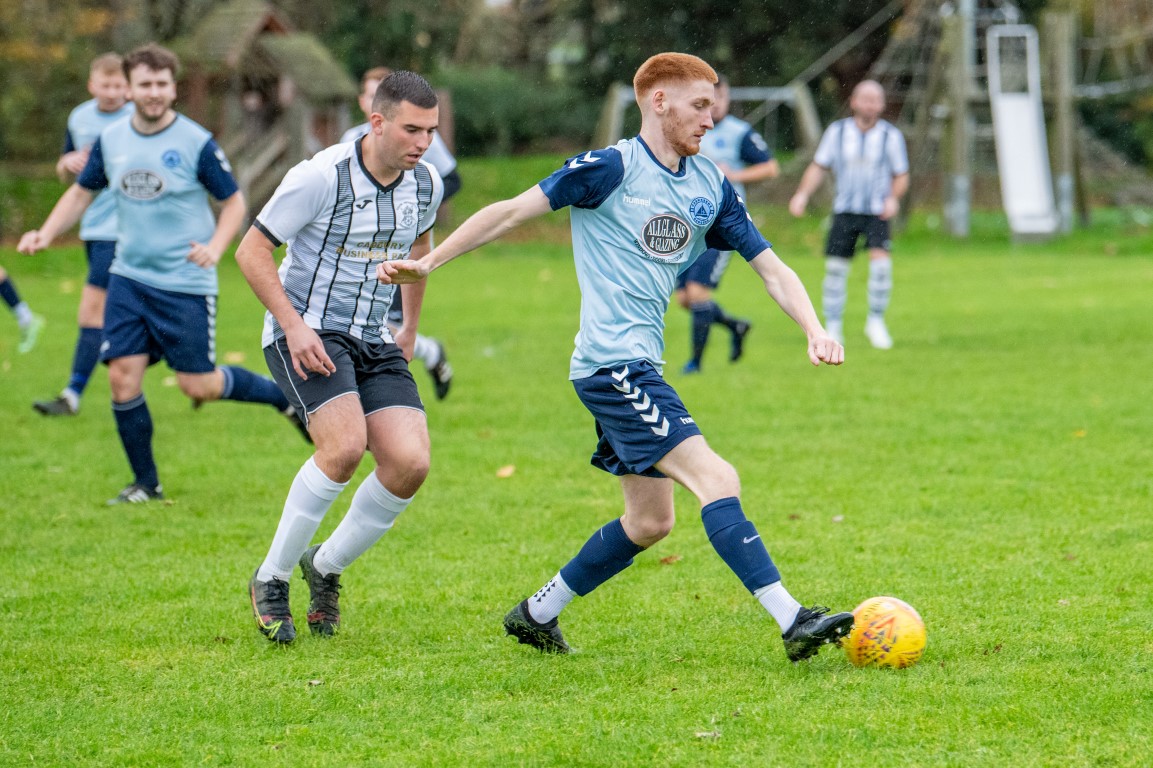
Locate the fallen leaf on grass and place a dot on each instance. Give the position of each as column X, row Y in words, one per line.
column 670, row 559
column 506, row 471
column 708, row 734
column 234, row 358
column 316, row 682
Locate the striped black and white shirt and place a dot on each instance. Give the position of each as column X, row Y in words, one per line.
column 863, row 162
column 340, row 223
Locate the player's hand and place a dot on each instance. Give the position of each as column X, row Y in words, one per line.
column 401, row 271
column 891, row 207
column 32, row 241
column 307, row 352
column 406, row 340
column 823, row 348
column 202, row 255
column 73, row 162
column 798, row 203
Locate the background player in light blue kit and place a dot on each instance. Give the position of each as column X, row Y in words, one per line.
column 161, row 303
column 640, row 211
column 30, row 323
column 743, row 156
column 109, row 103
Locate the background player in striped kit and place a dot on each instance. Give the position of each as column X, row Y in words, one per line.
column 640, row 211
column 867, row 156
column 161, row 302
column 744, row 157
column 350, row 208
column 109, row 103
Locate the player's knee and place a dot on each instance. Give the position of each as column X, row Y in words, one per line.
column 656, row 529
column 340, row 463
column 722, row 482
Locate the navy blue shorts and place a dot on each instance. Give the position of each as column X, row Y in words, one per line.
column 100, row 255
column 639, row 418
column 377, row 372
column 179, row 328
column 847, row 229
column 707, row 269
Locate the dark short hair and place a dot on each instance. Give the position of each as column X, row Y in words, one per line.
column 403, row 86
column 154, row 57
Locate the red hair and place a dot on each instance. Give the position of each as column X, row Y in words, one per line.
column 670, row 68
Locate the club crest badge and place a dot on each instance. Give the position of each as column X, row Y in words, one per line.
column 702, row 210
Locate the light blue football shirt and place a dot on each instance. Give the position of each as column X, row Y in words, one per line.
column 161, row 184
column 635, row 226
column 734, row 143
column 84, row 126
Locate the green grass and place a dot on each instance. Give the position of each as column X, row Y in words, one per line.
column 992, row 470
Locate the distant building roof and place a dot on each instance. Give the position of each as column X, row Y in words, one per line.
column 304, row 59
column 227, row 33
column 227, row 38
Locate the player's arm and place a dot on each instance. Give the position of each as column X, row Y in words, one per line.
column 215, row 174
column 228, row 223
column 769, row 169
column 412, row 299
column 810, row 180
column 789, row 292
column 484, row 226
column 72, row 160
column 65, row 215
column 759, row 161
column 255, row 257
column 898, row 191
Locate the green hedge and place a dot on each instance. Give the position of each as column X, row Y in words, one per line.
column 500, row 112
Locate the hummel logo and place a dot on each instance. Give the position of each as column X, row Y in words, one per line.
column 362, row 204
column 748, row 539
column 577, row 162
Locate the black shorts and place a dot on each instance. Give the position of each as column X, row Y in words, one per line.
column 377, row 372
column 847, row 229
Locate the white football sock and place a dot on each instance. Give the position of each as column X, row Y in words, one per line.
column 550, row 600
column 835, row 288
column 880, row 285
column 310, row 496
column 23, row 314
column 373, row 511
column 426, row 350
column 779, row 603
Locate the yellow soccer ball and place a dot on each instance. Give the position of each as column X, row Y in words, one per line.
column 887, row 632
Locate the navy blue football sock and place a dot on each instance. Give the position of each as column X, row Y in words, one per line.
column 608, row 552
column 702, row 321
column 721, row 318
column 247, row 387
column 9, row 294
column 736, row 540
column 134, row 423
column 85, row 358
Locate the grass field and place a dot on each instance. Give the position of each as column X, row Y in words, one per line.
column 993, row 470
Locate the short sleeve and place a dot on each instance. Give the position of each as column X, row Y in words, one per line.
column 69, row 144
column 93, row 176
column 214, row 172
column 733, row 229
column 300, row 198
column 898, row 155
column 585, row 181
column 826, row 153
column 754, row 150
